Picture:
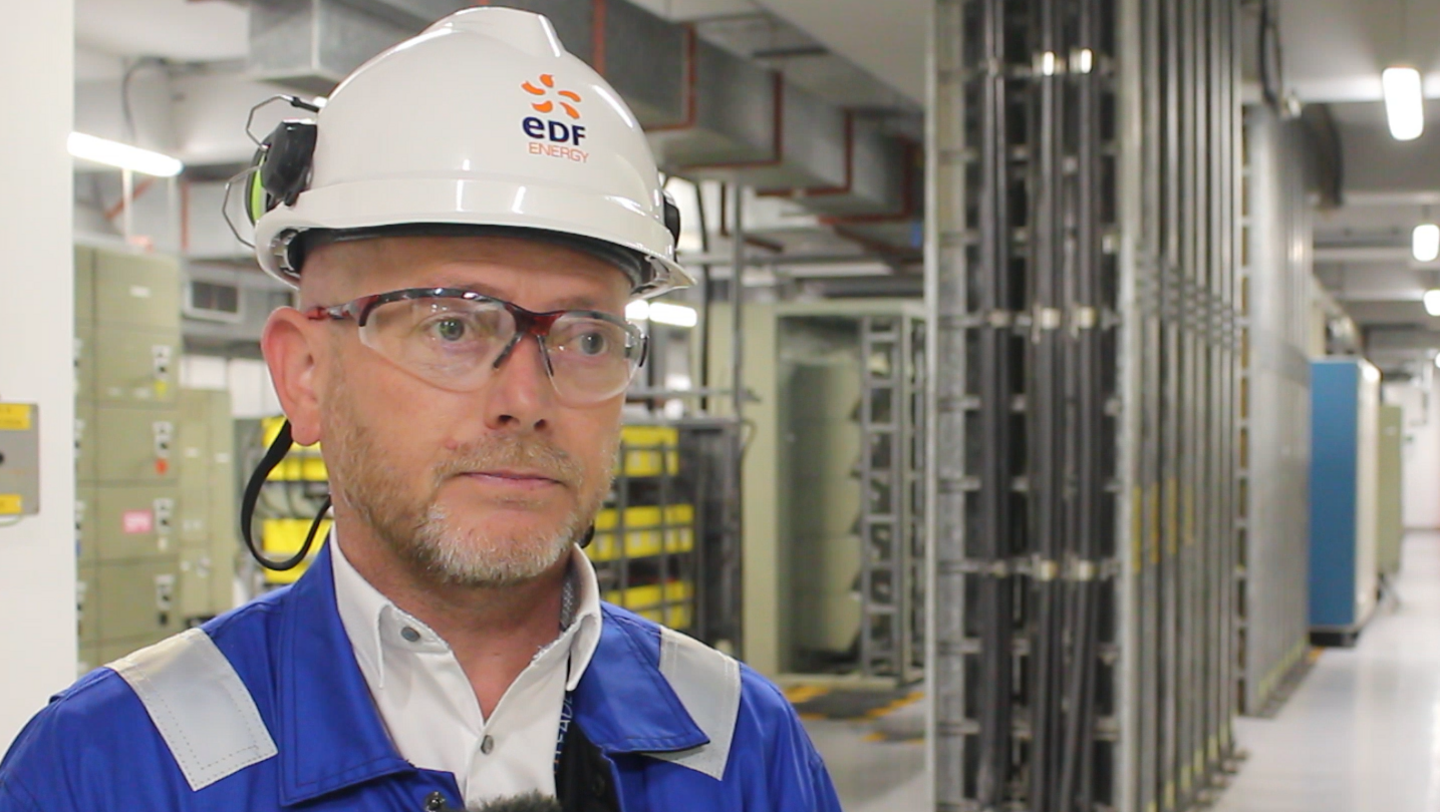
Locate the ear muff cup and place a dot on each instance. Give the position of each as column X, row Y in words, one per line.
column 281, row 167
column 256, row 201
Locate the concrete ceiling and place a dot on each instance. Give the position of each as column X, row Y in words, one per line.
column 1334, row 52
column 182, row 30
column 887, row 38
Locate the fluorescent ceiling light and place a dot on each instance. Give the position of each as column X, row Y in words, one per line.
column 1425, row 242
column 1432, row 302
column 1048, row 64
column 1085, row 61
column 662, row 313
column 123, row 156
column 1404, row 104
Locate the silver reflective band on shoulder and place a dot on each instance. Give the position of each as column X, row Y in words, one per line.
column 199, row 705
column 708, row 684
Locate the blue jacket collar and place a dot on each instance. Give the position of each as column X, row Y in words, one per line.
column 329, row 733
column 623, row 703
column 327, row 729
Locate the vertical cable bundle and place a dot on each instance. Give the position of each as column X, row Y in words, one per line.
column 1081, row 285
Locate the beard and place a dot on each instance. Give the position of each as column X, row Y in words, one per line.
column 422, row 532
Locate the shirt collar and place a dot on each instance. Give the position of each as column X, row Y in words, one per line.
column 370, row 619
column 330, row 735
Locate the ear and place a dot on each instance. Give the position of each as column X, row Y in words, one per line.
column 291, row 347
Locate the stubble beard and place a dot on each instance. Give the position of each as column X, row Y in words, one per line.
column 422, row 532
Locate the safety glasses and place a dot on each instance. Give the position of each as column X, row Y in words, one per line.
column 455, row 339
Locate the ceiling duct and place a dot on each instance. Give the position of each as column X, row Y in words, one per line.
column 311, row 45
column 805, row 148
column 729, row 116
column 875, row 182
column 902, row 230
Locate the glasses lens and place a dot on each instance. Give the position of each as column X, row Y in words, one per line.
column 450, row 342
column 592, row 359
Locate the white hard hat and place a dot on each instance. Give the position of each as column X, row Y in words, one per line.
column 482, row 123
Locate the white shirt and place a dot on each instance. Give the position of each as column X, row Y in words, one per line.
column 429, row 707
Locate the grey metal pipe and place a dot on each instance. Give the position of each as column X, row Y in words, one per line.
column 737, row 395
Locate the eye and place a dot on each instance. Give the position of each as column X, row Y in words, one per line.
column 593, row 343
column 450, row 328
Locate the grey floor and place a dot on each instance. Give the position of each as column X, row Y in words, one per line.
column 1361, row 734
column 875, row 776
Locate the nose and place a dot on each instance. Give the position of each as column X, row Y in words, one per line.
column 520, row 395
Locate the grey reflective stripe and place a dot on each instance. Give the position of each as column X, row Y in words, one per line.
column 199, row 705
column 708, row 684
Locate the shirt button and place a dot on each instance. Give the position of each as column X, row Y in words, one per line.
column 486, row 745
column 410, row 634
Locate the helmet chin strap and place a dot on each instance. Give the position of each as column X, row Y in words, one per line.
column 273, row 455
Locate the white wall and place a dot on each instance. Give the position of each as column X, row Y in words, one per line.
column 1421, row 451
column 37, row 556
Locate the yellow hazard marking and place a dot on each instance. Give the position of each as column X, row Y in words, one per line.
column 804, row 693
column 14, row 417
column 11, row 504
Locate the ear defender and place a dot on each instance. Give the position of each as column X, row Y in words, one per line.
column 281, row 167
column 672, row 217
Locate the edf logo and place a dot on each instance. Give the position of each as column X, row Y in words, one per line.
column 556, row 131
column 563, row 137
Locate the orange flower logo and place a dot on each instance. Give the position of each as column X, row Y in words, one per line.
column 548, row 105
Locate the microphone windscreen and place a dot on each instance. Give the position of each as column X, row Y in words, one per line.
column 529, row 802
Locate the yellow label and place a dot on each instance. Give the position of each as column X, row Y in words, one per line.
column 161, row 388
column 11, row 504
column 14, row 417
column 1154, row 517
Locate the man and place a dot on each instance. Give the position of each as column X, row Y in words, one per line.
column 465, row 222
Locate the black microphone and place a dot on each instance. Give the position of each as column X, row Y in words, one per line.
column 529, row 802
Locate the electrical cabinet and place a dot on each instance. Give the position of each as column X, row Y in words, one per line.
column 206, row 582
column 128, row 505
column 84, row 362
column 85, row 541
column 1344, row 482
column 132, row 522
column 84, row 286
column 136, row 290
column 205, row 443
column 137, row 366
column 87, row 606
column 85, row 470
column 136, row 600
column 1390, row 492
column 133, row 445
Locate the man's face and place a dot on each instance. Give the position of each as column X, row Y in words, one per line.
column 488, row 487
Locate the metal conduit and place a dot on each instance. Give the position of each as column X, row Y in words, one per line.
column 1080, row 278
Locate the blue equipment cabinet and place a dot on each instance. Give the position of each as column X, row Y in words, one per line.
column 1344, row 484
